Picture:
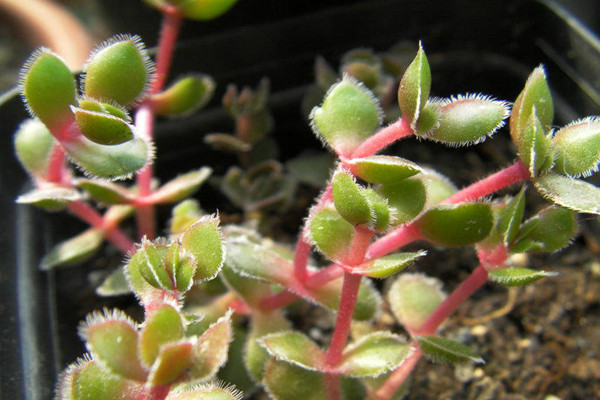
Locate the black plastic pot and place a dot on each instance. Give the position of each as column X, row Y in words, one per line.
column 487, row 47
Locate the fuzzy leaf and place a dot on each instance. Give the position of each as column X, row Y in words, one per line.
column 444, row 350
column 510, row 218
column 181, row 267
column 465, row 120
column 234, row 370
column 85, row 380
column 414, row 88
column 331, row 233
column 388, row 265
column 535, row 96
column 48, row 88
column 551, row 229
column 210, row 351
column 407, row 198
column 184, row 96
column 261, row 324
column 172, row 361
column 203, row 392
column 102, row 128
column 349, row 115
column 112, row 338
column 570, row 193
column 438, row 187
column 161, row 327
column 381, row 215
column 118, row 70
column 203, row 10
column 105, row 192
column 33, row 146
column 74, row 250
column 51, row 198
column 413, row 297
column 150, row 262
column 514, row 276
column 577, row 147
column 203, row 241
column 181, row 187
column 456, row 225
column 383, row 169
column 250, row 291
column 373, row 355
column 349, row 200
column 295, row 348
column 534, row 147
column 285, row 381
column 227, row 142
column 114, row 284
column 114, row 162
column 183, row 215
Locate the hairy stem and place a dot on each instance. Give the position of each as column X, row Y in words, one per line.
column 56, row 165
column 400, row 374
column 144, row 119
column 386, row 136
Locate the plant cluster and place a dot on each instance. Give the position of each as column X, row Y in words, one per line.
column 215, row 297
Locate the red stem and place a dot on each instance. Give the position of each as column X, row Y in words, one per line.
column 397, row 378
column 56, row 165
column 278, row 300
column 324, row 276
column 113, row 234
column 332, row 386
column 386, row 136
column 344, row 318
column 144, row 119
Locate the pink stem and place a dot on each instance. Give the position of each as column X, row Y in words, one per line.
column 113, row 234
column 56, row 165
column 386, row 136
column 332, row 386
column 344, row 318
column 154, row 393
column 278, row 300
column 324, row 276
column 144, row 119
column 397, row 378
column 501, row 179
column 469, row 286
column 397, row 238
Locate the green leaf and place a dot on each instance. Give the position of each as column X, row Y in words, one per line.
column 577, row 147
column 171, row 363
column 295, row 348
column 515, row 276
column 374, row 384
column 261, row 325
column 438, row 186
column 227, row 142
column 203, row 241
column 388, row 265
column 570, row 193
column 118, row 70
column 115, row 162
column 74, row 250
column 181, row 187
column 161, row 327
column 444, row 350
column 349, row 115
column 115, row 284
column 510, row 218
column 33, row 146
column 349, row 200
column 234, row 370
column 210, row 351
column 313, row 170
column 248, row 289
column 86, row 380
column 112, row 337
column 102, row 128
column 207, row 392
column 48, row 88
column 535, row 97
column 181, row 267
column 413, row 297
column 551, row 229
column 105, row 192
column 50, row 198
column 534, row 147
column 414, row 88
column 457, row 224
column 150, row 262
column 185, row 96
column 383, row 169
column 331, row 233
column 285, row 381
column 406, row 198
column 203, row 10
column 465, row 120
column 381, row 215
column 373, row 355
column 183, row 215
